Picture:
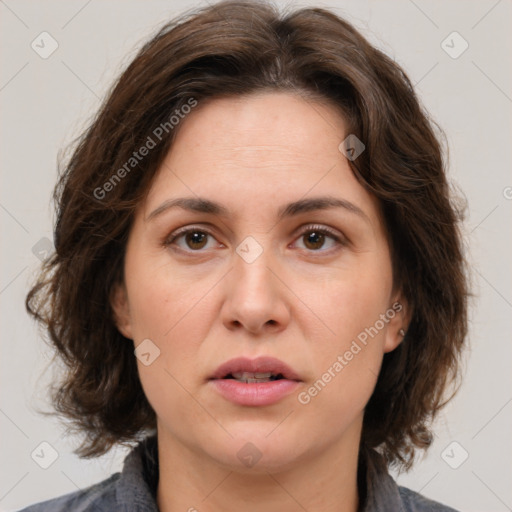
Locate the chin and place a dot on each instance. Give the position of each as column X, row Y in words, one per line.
column 254, row 451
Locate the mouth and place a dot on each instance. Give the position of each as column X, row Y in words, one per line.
column 254, row 382
column 254, row 371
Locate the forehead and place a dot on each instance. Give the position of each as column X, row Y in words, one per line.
column 266, row 127
column 255, row 152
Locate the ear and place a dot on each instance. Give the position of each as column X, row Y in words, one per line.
column 399, row 315
column 121, row 309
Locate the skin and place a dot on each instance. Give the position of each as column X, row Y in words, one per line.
column 302, row 301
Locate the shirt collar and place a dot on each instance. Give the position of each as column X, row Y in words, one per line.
column 136, row 489
column 378, row 490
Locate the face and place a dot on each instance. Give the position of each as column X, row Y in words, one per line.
column 308, row 285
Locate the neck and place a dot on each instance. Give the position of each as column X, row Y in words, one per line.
column 192, row 481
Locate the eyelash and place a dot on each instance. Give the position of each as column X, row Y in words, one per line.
column 340, row 241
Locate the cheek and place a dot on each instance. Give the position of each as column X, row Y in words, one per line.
column 161, row 296
column 167, row 312
column 348, row 359
column 171, row 309
column 354, row 299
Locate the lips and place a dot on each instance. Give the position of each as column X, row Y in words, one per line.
column 254, row 382
column 261, row 369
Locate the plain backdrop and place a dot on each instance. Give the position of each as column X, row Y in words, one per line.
column 46, row 102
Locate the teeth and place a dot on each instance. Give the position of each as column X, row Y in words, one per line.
column 252, row 376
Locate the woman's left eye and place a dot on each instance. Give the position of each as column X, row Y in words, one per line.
column 314, row 237
column 195, row 239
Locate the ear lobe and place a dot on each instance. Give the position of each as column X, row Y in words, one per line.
column 121, row 309
column 398, row 323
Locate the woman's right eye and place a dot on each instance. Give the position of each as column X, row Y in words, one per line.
column 194, row 239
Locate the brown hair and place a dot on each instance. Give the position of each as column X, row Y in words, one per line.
column 236, row 48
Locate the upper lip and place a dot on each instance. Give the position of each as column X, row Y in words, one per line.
column 261, row 364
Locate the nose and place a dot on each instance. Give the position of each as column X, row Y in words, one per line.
column 255, row 297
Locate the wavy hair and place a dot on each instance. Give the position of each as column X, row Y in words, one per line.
column 237, row 48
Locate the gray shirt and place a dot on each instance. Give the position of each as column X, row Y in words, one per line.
column 134, row 489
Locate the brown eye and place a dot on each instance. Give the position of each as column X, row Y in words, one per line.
column 195, row 239
column 314, row 238
column 191, row 239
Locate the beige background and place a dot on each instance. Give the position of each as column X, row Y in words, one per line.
column 46, row 102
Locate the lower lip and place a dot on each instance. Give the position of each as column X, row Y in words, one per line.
column 264, row 393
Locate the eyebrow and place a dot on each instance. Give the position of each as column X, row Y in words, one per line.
column 202, row 205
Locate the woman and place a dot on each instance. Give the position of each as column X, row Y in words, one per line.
column 258, row 273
